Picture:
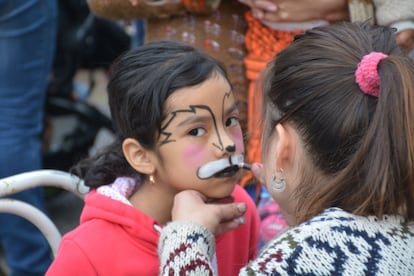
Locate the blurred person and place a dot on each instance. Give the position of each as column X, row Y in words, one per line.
column 27, row 44
column 279, row 14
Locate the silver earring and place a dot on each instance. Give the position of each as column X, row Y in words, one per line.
column 278, row 182
column 151, row 179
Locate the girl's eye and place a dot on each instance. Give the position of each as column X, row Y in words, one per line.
column 232, row 121
column 197, row 131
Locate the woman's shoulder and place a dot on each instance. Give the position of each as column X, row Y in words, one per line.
column 337, row 240
column 321, row 227
column 335, row 223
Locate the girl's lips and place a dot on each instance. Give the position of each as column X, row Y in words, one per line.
column 225, row 167
column 228, row 171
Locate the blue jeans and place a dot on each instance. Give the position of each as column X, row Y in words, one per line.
column 27, row 44
column 138, row 38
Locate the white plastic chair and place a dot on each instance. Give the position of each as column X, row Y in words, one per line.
column 40, row 178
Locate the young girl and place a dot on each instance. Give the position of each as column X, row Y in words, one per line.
column 338, row 155
column 177, row 128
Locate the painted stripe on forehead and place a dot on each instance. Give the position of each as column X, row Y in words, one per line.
column 191, row 109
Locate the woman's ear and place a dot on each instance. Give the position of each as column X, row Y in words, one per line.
column 285, row 146
column 137, row 156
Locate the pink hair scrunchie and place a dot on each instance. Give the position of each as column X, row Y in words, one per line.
column 366, row 74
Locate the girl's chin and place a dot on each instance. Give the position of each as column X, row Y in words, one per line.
column 222, row 194
column 217, row 189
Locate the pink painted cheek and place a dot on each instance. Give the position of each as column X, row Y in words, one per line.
column 194, row 156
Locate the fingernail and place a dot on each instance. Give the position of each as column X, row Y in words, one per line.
column 241, row 207
column 240, row 220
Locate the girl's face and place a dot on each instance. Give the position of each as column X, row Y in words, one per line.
column 201, row 126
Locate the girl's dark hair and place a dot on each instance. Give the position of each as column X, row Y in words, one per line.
column 141, row 81
column 362, row 145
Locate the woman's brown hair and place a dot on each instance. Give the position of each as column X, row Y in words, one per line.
column 361, row 144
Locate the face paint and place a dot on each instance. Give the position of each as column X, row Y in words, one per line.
column 202, row 124
column 193, row 155
column 232, row 164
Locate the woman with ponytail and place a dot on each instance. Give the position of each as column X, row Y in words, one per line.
column 338, row 158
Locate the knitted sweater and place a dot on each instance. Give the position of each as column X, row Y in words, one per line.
column 332, row 243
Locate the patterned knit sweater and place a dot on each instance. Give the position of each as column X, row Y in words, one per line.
column 332, row 243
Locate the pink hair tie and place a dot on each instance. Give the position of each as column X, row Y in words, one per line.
column 366, row 74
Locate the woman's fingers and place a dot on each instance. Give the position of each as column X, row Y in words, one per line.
column 257, row 170
column 267, row 6
column 187, row 204
column 298, row 10
column 217, row 217
column 258, row 13
column 229, row 225
column 260, row 7
column 133, row 2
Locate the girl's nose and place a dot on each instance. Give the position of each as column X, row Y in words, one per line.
column 231, row 148
column 224, row 143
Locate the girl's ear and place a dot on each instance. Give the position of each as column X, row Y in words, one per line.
column 285, row 146
column 137, row 156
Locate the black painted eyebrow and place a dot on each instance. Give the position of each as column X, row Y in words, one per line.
column 201, row 118
column 195, row 119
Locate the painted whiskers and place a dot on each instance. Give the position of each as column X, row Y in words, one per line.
column 231, row 164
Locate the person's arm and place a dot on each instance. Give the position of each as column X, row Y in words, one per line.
column 298, row 10
column 186, row 247
column 187, row 243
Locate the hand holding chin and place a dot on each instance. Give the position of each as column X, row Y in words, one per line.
column 218, row 216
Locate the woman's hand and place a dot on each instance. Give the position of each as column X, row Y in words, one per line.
column 298, row 10
column 217, row 217
column 257, row 170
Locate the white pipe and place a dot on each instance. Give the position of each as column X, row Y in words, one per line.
column 40, row 178
column 35, row 216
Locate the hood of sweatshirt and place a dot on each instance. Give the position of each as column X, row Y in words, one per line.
column 137, row 224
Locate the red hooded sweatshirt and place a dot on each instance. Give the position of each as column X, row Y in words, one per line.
column 117, row 239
